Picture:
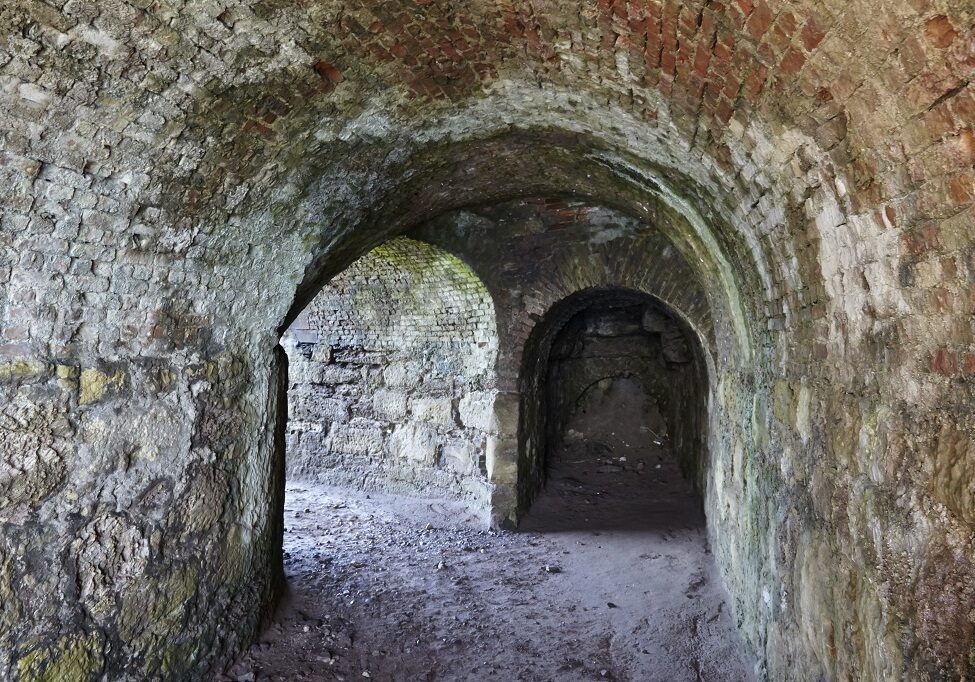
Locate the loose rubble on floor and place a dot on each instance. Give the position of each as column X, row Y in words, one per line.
column 597, row 585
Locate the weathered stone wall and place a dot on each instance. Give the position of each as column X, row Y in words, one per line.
column 392, row 376
column 181, row 177
column 114, row 518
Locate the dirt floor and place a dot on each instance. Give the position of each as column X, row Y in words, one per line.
column 608, row 578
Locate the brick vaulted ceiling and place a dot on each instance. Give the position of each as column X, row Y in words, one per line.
column 179, row 178
column 192, row 115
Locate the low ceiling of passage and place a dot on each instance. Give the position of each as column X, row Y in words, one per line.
column 523, row 164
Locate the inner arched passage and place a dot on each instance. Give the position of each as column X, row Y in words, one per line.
column 391, row 376
column 536, row 238
column 604, row 220
column 411, row 340
column 610, row 372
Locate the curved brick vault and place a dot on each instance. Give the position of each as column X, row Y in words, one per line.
column 180, row 179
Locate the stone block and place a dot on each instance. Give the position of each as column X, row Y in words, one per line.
column 507, row 410
column 334, row 410
column 477, row 411
column 322, row 352
column 403, row 374
column 414, row 442
column 358, row 439
column 501, row 458
column 389, row 405
column 461, row 456
column 438, row 410
column 311, row 407
column 333, row 375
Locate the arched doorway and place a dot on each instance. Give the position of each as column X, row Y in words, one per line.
column 614, row 418
column 391, row 370
column 609, row 374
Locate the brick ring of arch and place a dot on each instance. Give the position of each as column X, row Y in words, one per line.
column 794, row 183
column 411, row 355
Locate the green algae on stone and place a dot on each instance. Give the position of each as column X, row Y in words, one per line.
column 783, row 401
column 177, row 659
column 155, row 608
column 22, row 369
column 95, row 384
column 760, row 422
column 68, row 377
column 152, row 620
column 232, row 552
column 73, row 659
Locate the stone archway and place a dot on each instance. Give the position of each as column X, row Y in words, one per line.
column 179, row 184
column 604, row 334
column 392, row 377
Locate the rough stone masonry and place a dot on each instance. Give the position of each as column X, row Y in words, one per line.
column 391, row 377
column 180, row 178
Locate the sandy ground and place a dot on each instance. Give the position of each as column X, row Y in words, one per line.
column 609, row 578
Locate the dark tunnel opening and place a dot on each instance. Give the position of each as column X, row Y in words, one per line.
column 613, row 416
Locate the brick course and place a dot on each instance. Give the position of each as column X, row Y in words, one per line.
column 180, row 179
